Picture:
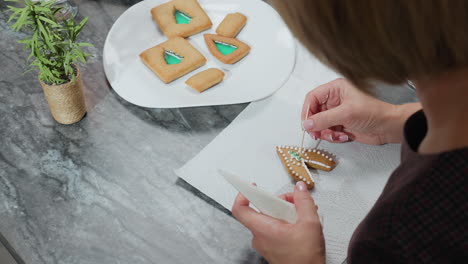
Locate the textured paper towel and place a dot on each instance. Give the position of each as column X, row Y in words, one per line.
column 247, row 148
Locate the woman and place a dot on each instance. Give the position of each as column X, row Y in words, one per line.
column 422, row 214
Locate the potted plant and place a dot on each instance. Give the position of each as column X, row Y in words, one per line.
column 55, row 53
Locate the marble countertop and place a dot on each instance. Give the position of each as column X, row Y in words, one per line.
column 103, row 190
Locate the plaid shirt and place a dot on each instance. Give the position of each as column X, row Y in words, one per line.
column 422, row 214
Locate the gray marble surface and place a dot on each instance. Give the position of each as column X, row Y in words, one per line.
column 103, row 190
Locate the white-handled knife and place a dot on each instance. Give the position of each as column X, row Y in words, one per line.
column 265, row 202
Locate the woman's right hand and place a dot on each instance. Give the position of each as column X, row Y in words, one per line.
column 338, row 112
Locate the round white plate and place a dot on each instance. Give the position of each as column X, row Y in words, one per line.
column 258, row 75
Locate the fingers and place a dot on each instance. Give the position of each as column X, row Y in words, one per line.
column 323, row 109
column 315, row 135
column 254, row 221
column 334, row 136
column 323, row 120
column 323, row 97
column 331, row 135
column 314, row 101
column 240, row 201
column 288, row 197
column 305, row 206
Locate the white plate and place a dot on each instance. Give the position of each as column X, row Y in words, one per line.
column 258, row 75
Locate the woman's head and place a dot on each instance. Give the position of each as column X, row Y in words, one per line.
column 386, row 40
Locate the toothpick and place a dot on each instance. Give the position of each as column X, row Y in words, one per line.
column 303, row 130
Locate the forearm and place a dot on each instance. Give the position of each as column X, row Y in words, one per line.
column 396, row 119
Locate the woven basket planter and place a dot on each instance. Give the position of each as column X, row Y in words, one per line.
column 66, row 101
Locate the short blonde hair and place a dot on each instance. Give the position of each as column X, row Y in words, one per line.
column 385, row 40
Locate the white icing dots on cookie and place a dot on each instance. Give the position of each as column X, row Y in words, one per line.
column 304, row 158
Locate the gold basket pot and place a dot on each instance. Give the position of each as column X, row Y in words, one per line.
column 66, row 101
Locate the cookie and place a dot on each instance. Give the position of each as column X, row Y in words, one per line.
column 205, row 79
column 181, row 18
column 318, row 159
column 297, row 162
column 231, row 25
column 227, row 50
column 172, row 59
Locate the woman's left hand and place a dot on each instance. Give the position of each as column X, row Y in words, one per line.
column 281, row 242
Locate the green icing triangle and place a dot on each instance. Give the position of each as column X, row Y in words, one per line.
column 181, row 17
column 171, row 58
column 225, row 48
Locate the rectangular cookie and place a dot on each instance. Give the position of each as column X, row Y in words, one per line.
column 205, row 79
column 172, row 59
column 231, row 25
column 181, row 18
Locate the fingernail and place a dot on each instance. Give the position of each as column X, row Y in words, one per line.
column 307, row 124
column 301, row 186
column 343, row 138
column 312, row 135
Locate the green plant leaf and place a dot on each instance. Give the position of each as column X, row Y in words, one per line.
column 45, row 19
column 42, row 9
column 52, row 43
column 80, row 26
column 84, row 44
column 25, row 41
column 45, row 35
column 21, row 19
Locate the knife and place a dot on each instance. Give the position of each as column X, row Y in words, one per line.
column 264, row 201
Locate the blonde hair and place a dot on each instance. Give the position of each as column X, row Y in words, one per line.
column 386, row 40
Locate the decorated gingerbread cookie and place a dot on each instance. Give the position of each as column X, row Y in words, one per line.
column 181, row 18
column 172, row 59
column 231, row 25
column 297, row 161
column 227, row 50
column 205, row 79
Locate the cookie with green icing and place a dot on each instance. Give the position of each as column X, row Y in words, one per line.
column 181, row 18
column 225, row 49
column 297, row 162
column 172, row 59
